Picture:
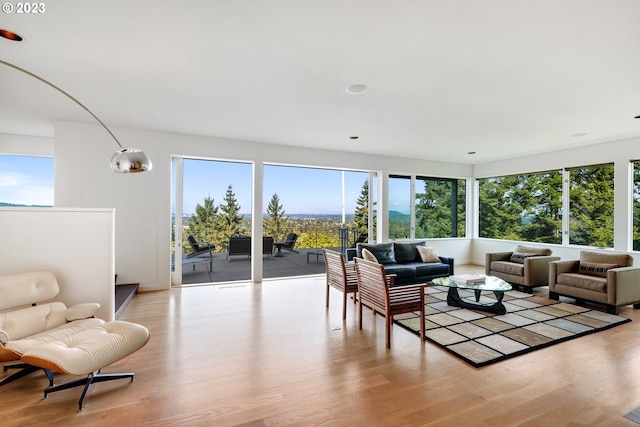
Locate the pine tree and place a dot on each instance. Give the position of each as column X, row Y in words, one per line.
column 276, row 224
column 229, row 219
column 361, row 214
column 203, row 224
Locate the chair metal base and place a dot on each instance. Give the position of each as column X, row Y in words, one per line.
column 23, row 372
column 94, row 377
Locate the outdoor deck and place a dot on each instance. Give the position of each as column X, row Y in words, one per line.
column 239, row 267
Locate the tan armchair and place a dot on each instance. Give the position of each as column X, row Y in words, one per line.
column 604, row 278
column 525, row 266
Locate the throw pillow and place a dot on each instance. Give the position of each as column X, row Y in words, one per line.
column 366, row 254
column 383, row 252
column 406, row 251
column 427, row 254
column 520, row 256
column 595, row 268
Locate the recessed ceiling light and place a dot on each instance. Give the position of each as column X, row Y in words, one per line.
column 471, row 152
column 578, row 135
column 637, row 117
column 357, row 89
column 10, row 35
column 354, row 137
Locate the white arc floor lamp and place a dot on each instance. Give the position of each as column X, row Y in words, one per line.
column 125, row 160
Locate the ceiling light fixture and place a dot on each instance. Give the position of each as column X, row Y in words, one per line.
column 354, row 137
column 471, row 152
column 125, row 160
column 357, row 89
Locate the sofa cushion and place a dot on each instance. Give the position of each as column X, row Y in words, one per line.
column 598, row 269
column 407, row 252
column 402, row 271
column 366, row 254
column 431, row 269
column 428, row 254
column 582, row 281
column 507, row 267
column 383, row 252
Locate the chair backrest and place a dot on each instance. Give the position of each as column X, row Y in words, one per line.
column 24, row 289
column 372, row 284
column 267, row 245
column 622, row 260
column 290, row 241
column 335, row 267
column 193, row 243
column 239, row 245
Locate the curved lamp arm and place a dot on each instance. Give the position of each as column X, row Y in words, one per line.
column 125, row 160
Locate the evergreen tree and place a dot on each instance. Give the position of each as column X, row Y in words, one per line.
column 361, row 214
column 203, row 224
column 276, row 224
column 229, row 219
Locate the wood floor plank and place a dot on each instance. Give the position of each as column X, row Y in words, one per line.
column 272, row 354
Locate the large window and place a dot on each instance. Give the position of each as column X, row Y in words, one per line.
column 437, row 210
column 591, row 206
column 522, row 207
column 399, row 207
column 636, row 205
column 26, row 181
column 440, row 207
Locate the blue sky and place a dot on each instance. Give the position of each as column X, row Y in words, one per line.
column 26, row 180
column 301, row 190
column 29, row 181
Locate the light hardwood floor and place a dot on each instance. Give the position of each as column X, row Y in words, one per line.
column 273, row 355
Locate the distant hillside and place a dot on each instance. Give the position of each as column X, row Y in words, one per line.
column 13, row 205
column 396, row 213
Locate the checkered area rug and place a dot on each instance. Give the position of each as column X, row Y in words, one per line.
column 481, row 338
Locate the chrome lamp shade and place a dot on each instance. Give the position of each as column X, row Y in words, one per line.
column 130, row 160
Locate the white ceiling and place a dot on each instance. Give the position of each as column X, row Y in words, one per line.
column 503, row 78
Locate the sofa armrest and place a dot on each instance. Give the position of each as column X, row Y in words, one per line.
column 81, row 311
column 495, row 256
column 623, row 285
column 448, row 261
column 536, row 269
column 559, row 267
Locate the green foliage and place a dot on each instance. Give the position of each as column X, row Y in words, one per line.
column 202, row 224
column 436, row 206
column 636, row 206
column 591, row 212
column 522, row 207
column 361, row 214
column 276, row 224
column 230, row 222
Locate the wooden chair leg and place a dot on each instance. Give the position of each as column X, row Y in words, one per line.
column 388, row 320
column 328, row 295
column 344, row 305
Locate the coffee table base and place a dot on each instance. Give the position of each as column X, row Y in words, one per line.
column 454, row 300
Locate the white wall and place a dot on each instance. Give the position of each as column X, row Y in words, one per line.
column 142, row 201
column 77, row 245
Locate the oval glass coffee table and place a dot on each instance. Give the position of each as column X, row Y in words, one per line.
column 490, row 283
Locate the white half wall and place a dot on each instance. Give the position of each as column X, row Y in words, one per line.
column 77, row 245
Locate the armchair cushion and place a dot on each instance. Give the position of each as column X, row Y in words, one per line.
column 82, row 311
column 598, row 269
column 520, row 256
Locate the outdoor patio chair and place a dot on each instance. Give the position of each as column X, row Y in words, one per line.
column 290, row 242
column 376, row 291
column 200, row 249
column 341, row 276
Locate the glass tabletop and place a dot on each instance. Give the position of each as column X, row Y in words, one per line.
column 489, row 283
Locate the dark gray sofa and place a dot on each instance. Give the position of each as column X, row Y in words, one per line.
column 403, row 260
